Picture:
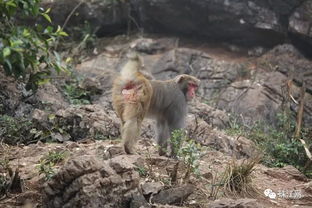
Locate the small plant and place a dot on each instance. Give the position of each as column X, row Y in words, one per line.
column 190, row 154
column 235, row 127
column 47, row 163
column 187, row 151
column 237, row 179
column 46, row 169
column 86, row 33
column 75, row 94
column 176, row 140
column 142, row 171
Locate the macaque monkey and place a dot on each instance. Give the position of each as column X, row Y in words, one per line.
column 131, row 94
column 136, row 97
column 168, row 106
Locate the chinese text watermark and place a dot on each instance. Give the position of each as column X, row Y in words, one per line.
column 284, row 194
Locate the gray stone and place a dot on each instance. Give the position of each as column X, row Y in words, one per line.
column 151, row 187
column 173, row 195
column 235, row 203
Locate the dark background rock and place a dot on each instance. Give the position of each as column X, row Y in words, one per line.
column 241, row 22
column 300, row 27
column 105, row 17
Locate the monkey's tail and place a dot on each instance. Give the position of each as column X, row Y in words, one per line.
column 130, row 70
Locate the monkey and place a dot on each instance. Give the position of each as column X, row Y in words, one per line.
column 136, row 97
column 131, row 96
column 168, row 106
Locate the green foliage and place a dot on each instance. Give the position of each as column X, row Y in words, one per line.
column 86, row 34
column 187, row 151
column 48, row 161
column 277, row 143
column 14, row 130
column 176, row 140
column 27, row 52
column 75, row 94
column 190, row 154
column 100, row 136
column 18, row 130
column 46, row 169
column 235, row 127
column 142, row 171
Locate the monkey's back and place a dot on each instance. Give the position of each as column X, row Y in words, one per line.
column 167, row 100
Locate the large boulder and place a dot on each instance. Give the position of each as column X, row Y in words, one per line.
column 16, row 101
column 253, row 101
column 88, row 181
column 238, row 147
column 288, row 61
column 87, row 121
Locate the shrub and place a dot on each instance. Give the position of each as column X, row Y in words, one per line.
column 187, row 151
column 237, row 178
column 48, row 161
column 18, row 130
column 277, row 143
column 27, row 52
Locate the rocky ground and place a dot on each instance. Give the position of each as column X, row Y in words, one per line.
column 97, row 174
column 87, row 167
column 60, row 146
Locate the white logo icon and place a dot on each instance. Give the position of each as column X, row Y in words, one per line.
column 272, row 195
column 269, row 193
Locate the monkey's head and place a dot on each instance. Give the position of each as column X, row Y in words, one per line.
column 188, row 84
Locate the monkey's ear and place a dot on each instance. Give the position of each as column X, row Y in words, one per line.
column 179, row 78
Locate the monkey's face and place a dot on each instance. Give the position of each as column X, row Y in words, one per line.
column 188, row 84
column 191, row 90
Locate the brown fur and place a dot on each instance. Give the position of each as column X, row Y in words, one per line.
column 131, row 112
column 165, row 101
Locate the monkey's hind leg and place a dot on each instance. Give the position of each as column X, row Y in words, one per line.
column 163, row 136
column 129, row 133
column 130, row 129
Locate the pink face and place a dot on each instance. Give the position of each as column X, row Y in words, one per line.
column 191, row 90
